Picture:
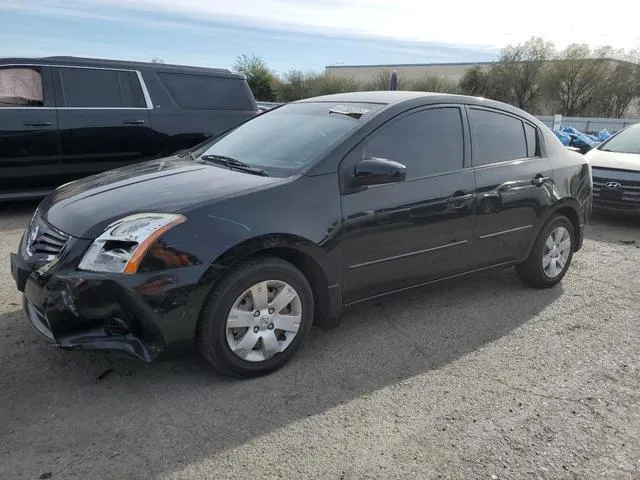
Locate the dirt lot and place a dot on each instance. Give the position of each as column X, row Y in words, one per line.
column 476, row 378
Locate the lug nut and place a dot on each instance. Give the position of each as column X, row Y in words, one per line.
column 271, row 310
column 271, row 326
column 256, row 329
column 256, row 313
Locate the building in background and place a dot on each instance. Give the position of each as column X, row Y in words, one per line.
column 409, row 71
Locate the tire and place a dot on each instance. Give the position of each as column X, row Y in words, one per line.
column 532, row 271
column 247, row 283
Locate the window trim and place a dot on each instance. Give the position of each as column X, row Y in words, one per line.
column 466, row 147
column 143, row 85
column 469, row 107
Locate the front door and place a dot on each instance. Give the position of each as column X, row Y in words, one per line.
column 104, row 120
column 29, row 146
column 513, row 185
column 402, row 234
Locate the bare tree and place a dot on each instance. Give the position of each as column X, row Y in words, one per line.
column 295, row 85
column 516, row 77
column 380, row 81
column 328, row 83
column 157, row 60
column 434, row 83
column 575, row 78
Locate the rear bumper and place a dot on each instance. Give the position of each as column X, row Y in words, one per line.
column 70, row 309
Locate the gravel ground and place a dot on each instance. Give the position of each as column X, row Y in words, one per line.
column 476, row 378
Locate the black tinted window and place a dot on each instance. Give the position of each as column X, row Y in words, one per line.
column 131, row 90
column 496, row 137
column 84, row 87
column 532, row 140
column 427, row 142
column 207, row 92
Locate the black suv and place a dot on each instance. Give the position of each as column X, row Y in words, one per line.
column 63, row 118
column 241, row 244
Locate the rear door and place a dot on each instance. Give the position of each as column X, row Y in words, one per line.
column 29, row 146
column 513, row 180
column 103, row 119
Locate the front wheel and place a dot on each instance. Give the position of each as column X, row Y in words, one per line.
column 256, row 318
column 551, row 254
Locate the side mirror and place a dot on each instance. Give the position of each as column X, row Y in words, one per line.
column 376, row 171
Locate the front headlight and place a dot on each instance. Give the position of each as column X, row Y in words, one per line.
column 122, row 246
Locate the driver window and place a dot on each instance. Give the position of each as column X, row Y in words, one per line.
column 428, row 142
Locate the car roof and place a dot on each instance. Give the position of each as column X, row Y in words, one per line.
column 109, row 63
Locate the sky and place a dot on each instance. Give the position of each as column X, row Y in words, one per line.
column 302, row 34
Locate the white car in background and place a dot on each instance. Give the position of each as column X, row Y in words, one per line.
column 615, row 165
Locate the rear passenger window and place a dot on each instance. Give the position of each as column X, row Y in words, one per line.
column 426, row 142
column 207, row 92
column 496, row 137
column 21, row 87
column 532, row 140
column 132, row 95
column 97, row 88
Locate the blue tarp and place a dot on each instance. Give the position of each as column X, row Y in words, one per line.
column 604, row 134
column 571, row 137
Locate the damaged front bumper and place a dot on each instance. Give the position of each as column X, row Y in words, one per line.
column 143, row 316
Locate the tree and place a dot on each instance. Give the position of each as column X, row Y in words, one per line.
column 476, row 82
column 515, row 78
column 295, row 85
column 575, row 78
column 328, row 83
column 434, row 83
column 157, row 60
column 259, row 76
column 380, row 81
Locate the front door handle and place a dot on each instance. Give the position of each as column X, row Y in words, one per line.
column 539, row 180
column 134, row 122
column 37, row 124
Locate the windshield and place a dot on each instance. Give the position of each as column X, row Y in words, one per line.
column 627, row 141
column 287, row 139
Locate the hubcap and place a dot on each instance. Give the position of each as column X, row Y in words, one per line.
column 264, row 320
column 556, row 253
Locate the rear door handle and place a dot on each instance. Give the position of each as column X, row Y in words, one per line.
column 540, row 180
column 37, row 124
column 134, row 122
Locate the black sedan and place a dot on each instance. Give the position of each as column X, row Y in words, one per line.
column 241, row 244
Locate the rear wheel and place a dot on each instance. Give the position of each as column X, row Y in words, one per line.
column 551, row 254
column 256, row 318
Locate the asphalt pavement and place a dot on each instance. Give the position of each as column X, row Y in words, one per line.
column 479, row 377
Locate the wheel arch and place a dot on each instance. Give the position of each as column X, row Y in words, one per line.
column 570, row 209
column 302, row 253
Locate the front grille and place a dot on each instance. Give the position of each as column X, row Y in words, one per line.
column 626, row 197
column 43, row 239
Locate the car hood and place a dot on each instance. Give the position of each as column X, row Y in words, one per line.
column 83, row 208
column 622, row 161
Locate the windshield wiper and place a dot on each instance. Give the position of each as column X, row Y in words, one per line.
column 233, row 163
